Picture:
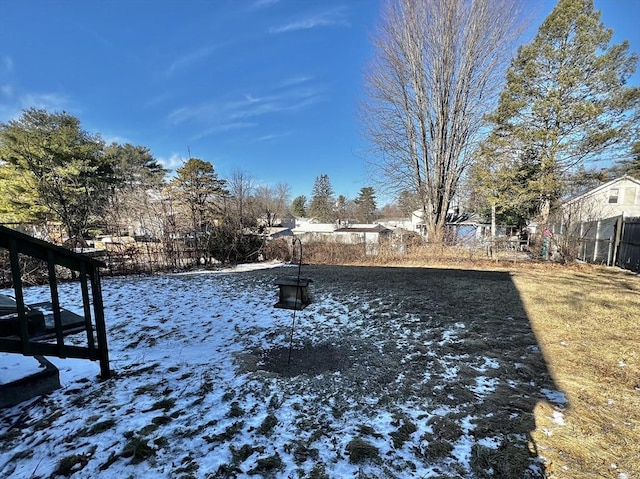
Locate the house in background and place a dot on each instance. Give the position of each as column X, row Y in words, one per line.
column 618, row 197
column 594, row 225
column 310, row 229
column 370, row 235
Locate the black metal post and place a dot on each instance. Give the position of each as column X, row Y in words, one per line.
column 293, row 324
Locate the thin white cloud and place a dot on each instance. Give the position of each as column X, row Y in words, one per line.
column 192, row 113
column 329, row 18
column 191, row 58
column 238, row 125
column 295, row 81
column 245, row 111
column 6, row 90
column 171, row 163
column 258, row 4
column 6, row 66
column 269, row 138
column 45, row 101
column 12, row 110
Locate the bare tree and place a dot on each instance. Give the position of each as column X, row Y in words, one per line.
column 241, row 189
column 272, row 202
column 438, row 66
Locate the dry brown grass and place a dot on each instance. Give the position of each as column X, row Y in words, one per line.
column 587, row 322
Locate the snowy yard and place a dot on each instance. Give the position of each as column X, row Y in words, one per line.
column 396, row 372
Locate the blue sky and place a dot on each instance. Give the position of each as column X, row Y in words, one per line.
column 267, row 87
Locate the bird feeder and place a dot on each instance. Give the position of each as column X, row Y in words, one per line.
column 294, row 293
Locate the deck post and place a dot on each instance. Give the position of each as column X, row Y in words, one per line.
column 17, row 288
column 101, row 330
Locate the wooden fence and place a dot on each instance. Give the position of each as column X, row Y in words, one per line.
column 628, row 245
column 608, row 241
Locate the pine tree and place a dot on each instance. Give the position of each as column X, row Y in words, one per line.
column 408, row 202
column 565, row 98
column 366, row 205
column 298, row 207
column 19, row 200
column 322, row 201
column 341, row 213
column 199, row 185
column 63, row 162
column 630, row 166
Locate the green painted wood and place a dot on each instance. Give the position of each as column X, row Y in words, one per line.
column 17, row 288
column 87, row 311
column 19, row 243
column 11, row 345
column 55, row 301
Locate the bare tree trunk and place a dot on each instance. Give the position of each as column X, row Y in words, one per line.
column 438, row 66
column 493, row 222
column 492, row 246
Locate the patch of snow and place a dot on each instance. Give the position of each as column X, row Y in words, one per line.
column 487, row 363
column 447, row 337
column 557, row 397
column 181, row 338
column 14, row 367
column 240, row 268
column 558, row 418
column 463, row 446
column 484, row 385
column 490, row 442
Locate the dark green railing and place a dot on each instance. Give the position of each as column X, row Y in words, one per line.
column 88, row 271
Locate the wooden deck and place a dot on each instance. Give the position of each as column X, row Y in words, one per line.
column 40, row 321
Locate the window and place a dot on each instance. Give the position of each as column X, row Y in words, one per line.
column 613, row 195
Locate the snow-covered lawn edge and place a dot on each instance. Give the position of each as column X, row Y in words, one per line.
column 381, row 383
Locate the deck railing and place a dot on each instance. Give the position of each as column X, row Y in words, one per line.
column 88, row 271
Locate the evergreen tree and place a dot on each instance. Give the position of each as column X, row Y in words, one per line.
column 135, row 172
column 19, row 200
column 63, row 162
column 298, row 207
column 408, row 202
column 565, row 98
column 341, row 208
column 366, row 205
column 499, row 185
column 199, row 186
column 630, row 166
column 134, row 165
column 322, row 201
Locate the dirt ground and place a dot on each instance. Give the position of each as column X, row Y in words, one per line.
column 453, row 348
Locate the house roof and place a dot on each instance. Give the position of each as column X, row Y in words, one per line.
column 362, row 229
column 274, row 230
column 315, row 228
column 602, row 187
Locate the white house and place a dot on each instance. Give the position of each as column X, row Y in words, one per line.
column 311, row 230
column 587, row 224
column 617, row 197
